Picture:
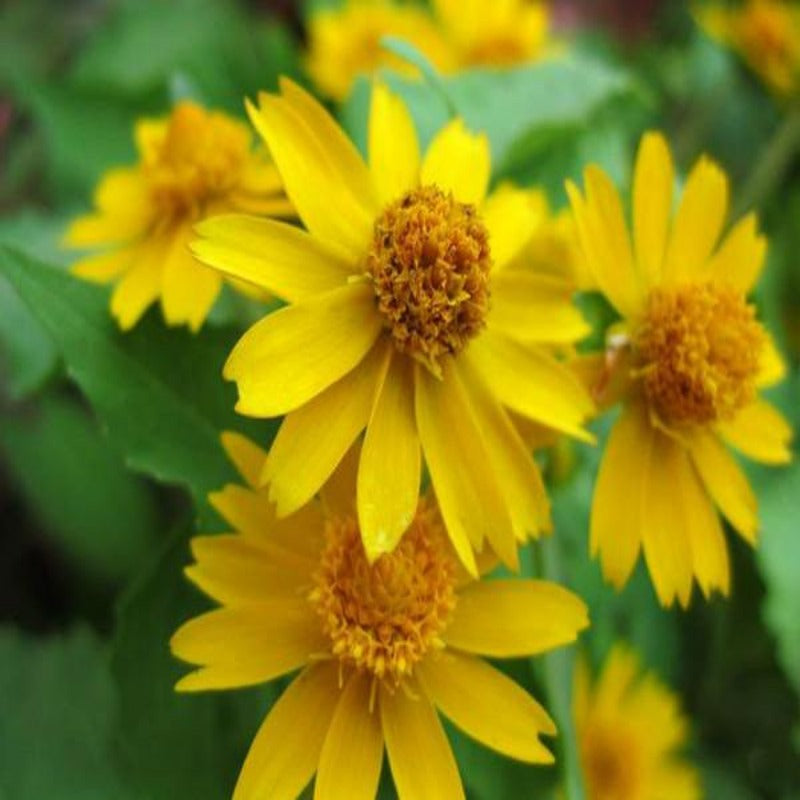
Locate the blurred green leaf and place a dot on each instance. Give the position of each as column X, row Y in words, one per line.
column 78, row 487
column 174, row 745
column 58, row 716
column 158, row 391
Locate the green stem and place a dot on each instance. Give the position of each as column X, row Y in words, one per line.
column 771, row 168
column 557, row 671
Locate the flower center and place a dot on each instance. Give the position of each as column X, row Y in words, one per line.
column 699, row 349
column 200, row 157
column 610, row 764
column 429, row 262
column 384, row 617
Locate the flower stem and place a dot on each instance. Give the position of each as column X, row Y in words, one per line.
column 557, row 670
column 771, row 168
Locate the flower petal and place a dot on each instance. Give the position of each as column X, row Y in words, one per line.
column 141, row 284
column 350, row 762
column 293, row 354
column 515, row 618
column 487, row 705
column 394, row 158
column 104, row 267
column 726, row 483
column 531, row 382
column 773, row 367
column 278, row 257
column 390, row 467
column 247, row 457
column 422, row 763
column 653, row 185
column 511, row 220
column 313, row 439
column 698, row 223
column 284, row 755
column 247, row 645
column 741, row 256
column 760, row 432
column 459, row 162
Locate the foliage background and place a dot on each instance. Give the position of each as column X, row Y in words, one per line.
column 109, row 443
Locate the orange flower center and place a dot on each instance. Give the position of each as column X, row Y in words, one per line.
column 384, row 617
column 610, row 765
column 766, row 32
column 698, row 350
column 200, row 158
column 429, row 262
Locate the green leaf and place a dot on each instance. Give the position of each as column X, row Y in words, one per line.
column 175, row 745
column 58, row 717
column 158, row 391
column 77, row 486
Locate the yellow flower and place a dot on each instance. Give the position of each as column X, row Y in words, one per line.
column 693, row 358
column 380, row 646
column 405, row 318
column 191, row 164
column 345, row 42
column 500, row 33
column 629, row 727
column 765, row 33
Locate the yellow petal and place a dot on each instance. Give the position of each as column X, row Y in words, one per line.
column 535, row 308
column 605, row 242
column 511, row 219
column 246, row 456
column 188, row 289
column 458, row 161
column 394, row 158
column 741, row 256
column 248, row 645
column 466, row 490
column 390, row 467
column 773, row 367
column 531, row 382
column 141, row 284
column 326, row 196
column 284, row 755
column 281, row 258
column 665, row 540
column 487, row 705
column 653, row 184
column 293, row 354
column 422, row 763
column 313, row 439
column 234, row 570
column 338, row 495
column 515, row 618
column 760, row 432
column 726, row 483
column 104, row 267
column 521, row 482
column 617, row 522
column 350, row 762
column 698, row 223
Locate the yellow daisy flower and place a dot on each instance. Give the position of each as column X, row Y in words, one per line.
column 345, row 42
column 688, row 360
column 630, row 727
column 191, row 164
column 404, row 318
column 500, row 33
column 765, row 33
column 380, row 646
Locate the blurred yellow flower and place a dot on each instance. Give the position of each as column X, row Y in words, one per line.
column 405, row 317
column 345, row 42
column 500, row 33
column 765, row 33
column 630, row 727
column 380, row 646
column 191, row 164
column 690, row 359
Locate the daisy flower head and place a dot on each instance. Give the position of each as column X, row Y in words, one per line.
column 630, row 729
column 345, row 42
column 405, row 318
column 765, row 34
column 688, row 360
column 379, row 646
column 192, row 163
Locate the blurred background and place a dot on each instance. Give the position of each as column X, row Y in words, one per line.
column 91, row 548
